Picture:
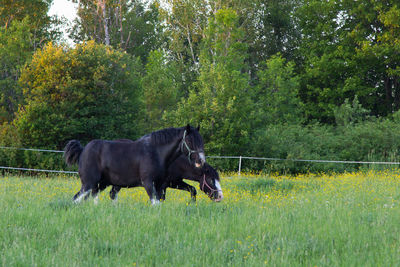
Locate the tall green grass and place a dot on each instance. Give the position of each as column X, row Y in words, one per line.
column 346, row 220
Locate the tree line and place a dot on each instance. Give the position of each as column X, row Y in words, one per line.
column 288, row 79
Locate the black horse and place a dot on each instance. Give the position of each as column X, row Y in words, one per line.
column 143, row 162
column 181, row 169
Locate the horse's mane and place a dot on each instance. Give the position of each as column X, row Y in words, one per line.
column 164, row 136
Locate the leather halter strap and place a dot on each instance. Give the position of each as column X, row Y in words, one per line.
column 184, row 144
column 208, row 186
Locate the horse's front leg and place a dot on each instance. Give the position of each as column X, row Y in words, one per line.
column 114, row 192
column 181, row 185
column 163, row 190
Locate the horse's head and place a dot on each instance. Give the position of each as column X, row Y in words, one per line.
column 192, row 146
column 209, row 183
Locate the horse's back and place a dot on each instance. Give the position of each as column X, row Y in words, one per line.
column 121, row 162
column 120, row 154
column 96, row 156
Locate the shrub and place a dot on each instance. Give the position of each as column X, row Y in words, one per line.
column 87, row 92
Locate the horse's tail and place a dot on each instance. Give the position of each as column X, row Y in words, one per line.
column 72, row 152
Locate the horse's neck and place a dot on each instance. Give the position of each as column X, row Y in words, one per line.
column 170, row 152
column 191, row 173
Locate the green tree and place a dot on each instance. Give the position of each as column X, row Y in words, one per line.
column 220, row 99
column 123, row 24
column 324, row 58
column 349, row 48
column 276, row 95
column 43, row 27
column 18, row 10
column 160, row 90
column 377, row 55
column 15, row 50
column 88, row 92
column 271, row 28
column 24, row 26
column 350, row 113
column 186, row 23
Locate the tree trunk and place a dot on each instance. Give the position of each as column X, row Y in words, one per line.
column 102, row 4
column 190, row 45
column 389, row 97
column 396, row 89
column 121, row 32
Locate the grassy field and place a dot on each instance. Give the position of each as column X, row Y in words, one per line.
column 308, row 220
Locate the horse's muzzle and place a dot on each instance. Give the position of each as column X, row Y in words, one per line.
column 219, row 199
column 202, row 160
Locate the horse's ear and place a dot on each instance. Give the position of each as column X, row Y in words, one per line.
column 198, row 127
column 188, row 128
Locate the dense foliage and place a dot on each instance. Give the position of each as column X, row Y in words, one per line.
column 87, row 92
column 288, row 79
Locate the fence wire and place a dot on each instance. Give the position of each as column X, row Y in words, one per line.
column 215, row 157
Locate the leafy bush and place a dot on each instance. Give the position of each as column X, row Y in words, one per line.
column 372, row 140
column 88, row 92
column 11, row 156
column 8, row 138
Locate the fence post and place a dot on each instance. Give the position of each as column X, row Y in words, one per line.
column 240, row 164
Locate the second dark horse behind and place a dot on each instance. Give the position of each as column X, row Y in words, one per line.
column 143, row 162
column 180, row 169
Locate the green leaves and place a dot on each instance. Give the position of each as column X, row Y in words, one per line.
column 131, row 25
column 87, row 92
column 24, row 27
column 219, row 100
column 277, row 93
column 160, row 91
column 349, row 49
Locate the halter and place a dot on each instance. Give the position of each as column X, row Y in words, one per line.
column 183, row 143
column 209, row 187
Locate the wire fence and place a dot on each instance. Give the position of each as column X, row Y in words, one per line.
column 239, row 158
column 36, row 170
column 31, row 149
column 304, row 160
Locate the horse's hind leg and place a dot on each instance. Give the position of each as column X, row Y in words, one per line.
column 90, row 179
column 76, row 195
column 82, row 194
column 95, row 195
column 85, row 191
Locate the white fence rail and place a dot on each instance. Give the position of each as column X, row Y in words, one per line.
column 240, row 158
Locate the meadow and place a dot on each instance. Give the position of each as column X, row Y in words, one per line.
column 349, row 219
